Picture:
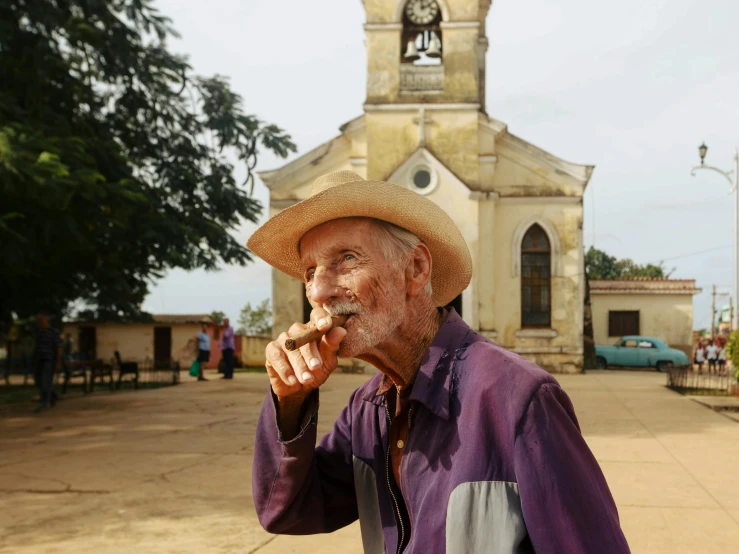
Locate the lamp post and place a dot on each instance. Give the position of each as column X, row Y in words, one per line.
column 733, row 178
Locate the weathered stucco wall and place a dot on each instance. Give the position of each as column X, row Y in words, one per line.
column 451, row 135
column 252, row 350
column 563, row 221
column 664, row 316
column 135, row 341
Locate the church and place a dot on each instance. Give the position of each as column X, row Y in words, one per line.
column 425, row 127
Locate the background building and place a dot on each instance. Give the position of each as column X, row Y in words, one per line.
column 660, row 308
column 425, row 127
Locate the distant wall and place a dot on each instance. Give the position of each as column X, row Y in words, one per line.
column 135, row 341
column 664, row 316
column 252, row 350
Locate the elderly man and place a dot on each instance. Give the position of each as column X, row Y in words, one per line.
column 457, row 445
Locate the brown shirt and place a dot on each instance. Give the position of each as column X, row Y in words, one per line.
column 401, row 422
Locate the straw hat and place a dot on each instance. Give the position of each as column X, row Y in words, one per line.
column 346, row 194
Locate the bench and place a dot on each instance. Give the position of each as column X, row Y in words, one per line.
column 16, row 366
column 100, row 370
column 127, row 368
column 73, row 369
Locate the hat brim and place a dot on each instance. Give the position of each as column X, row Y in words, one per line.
column 277, row 241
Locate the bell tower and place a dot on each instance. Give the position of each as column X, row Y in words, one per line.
column 425, row 83
column 430, row 51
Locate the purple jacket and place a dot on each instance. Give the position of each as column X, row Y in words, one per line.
column 494, row 463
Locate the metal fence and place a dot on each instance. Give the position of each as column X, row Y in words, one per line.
column 99, row 373
column 688, row 381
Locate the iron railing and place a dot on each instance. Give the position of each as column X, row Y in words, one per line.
column 689, row 381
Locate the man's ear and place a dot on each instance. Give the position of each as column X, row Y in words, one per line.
column 418, row 273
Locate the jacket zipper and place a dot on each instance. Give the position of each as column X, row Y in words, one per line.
column 400, row 485
column 389, row 485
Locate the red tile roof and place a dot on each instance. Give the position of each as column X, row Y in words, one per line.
column 643, row 285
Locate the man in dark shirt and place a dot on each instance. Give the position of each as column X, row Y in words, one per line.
column 46, row 360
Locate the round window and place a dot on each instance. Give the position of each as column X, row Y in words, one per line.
column 422, row 178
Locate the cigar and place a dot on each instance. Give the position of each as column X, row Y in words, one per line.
column 311, row 334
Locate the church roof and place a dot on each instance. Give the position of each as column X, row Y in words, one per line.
column 337, row 146
column 579, row 172
column 338, row 150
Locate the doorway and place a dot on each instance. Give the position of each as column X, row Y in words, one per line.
column 162, row 345
column 87, row 343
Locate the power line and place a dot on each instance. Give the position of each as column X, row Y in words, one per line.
column 697, row 253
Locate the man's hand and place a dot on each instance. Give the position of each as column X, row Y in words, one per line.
column 295, row 374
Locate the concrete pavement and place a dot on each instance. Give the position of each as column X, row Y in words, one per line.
column 169, row 470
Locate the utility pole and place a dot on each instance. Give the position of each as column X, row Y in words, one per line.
column 713, row 313
column 731, row 314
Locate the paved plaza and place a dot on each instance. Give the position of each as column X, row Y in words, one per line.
column 169, row 470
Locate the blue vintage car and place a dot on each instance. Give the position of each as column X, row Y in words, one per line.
column 638, row 351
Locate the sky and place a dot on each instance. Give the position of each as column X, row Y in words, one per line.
column 631, row 87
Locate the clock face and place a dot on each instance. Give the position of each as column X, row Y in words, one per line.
column 421, row 12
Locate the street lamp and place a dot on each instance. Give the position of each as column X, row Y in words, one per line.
column 732, row 177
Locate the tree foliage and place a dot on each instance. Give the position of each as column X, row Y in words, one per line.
column 599, row 265
column 218, row 317
column 115, row 159
column 256, row 320
column 732, row 352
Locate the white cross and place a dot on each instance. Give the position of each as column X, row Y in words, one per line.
column 421, row 121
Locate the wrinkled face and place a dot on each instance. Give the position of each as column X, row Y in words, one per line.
column 346, row 272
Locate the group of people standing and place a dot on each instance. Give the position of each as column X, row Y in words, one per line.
column 227, row 349
column 712, row 352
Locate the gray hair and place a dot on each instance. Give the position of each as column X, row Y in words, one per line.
column 397, row 244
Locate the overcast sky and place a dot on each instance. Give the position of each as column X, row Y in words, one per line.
column 631, row 87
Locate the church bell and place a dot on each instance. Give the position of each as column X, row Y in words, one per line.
column 434, row 49
column 411, row 52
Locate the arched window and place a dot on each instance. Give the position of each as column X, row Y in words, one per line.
column 536, row 305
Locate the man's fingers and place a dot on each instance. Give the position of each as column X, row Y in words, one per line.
column 300, row 368
column 278, row 361
column 321, row 319
column 311, row 356
column 331, row 341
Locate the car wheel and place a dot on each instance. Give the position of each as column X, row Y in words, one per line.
column 664, row 366
column 600, row 363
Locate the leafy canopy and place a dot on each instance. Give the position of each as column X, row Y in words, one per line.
column 256, row 320
column 599, row 265
column 115, row 159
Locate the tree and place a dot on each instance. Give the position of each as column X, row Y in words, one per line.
column 218, row 317
column 115, row 159
column 256, row 320
column 599, row 265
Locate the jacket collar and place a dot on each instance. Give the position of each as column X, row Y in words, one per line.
column 434, row 379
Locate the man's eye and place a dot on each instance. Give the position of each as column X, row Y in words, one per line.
column 348, row 257
column 309, row 276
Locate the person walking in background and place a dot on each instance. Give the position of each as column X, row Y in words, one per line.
column 203, row 339
column 722, row 360
column 712, row 356
column 67, row 350
column 227, row 349
column 46, row 360
column 700, row 356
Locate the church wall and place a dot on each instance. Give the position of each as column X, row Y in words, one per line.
column 383, row 69
column 454, row 199
column 563, row 351
column 460, row 66
column 452, row 136
column 516, row 176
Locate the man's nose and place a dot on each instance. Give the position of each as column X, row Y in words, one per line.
column 324, row 287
